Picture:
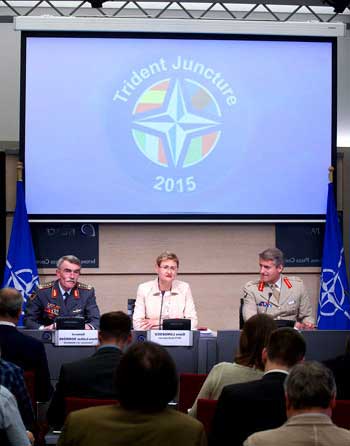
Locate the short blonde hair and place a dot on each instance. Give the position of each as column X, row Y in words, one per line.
column 167, row 255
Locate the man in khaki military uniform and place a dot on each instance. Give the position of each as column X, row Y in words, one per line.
column 282, row 297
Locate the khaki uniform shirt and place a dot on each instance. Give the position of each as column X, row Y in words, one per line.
column 294, row 303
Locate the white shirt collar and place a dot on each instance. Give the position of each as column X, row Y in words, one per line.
column 276, row 370
column 63, row 290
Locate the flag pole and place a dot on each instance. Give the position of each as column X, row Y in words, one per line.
column 19, row 171
column 330, row 174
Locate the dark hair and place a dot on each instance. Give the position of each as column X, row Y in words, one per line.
column 254, row 336
column 286, row 346
column 115, row 324
column 146, row 378
column 274, row 254
column 310, row 384
column 11, row 302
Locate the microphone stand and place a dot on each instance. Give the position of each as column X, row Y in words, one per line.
column 268, row 302
column 161, row 308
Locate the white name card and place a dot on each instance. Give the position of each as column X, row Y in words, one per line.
column 171, row 338
column 75, row 337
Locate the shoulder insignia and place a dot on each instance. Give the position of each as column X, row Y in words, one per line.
column 261, row 286
column 84, row 286
column 43, row 286
column 287, row 282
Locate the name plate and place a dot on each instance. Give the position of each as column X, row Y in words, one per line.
column 75, row 337
column 171, row 338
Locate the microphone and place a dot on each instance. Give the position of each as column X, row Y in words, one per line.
column 161, row 308
column 268, row 302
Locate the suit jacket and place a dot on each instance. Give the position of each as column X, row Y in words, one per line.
column 293, row 304
column 303, row 430
column 246, row 408
column 47, row 302
column 29, row 354
column 179, row 304
column 91, row 377
column 340, row 367
column 115, row 426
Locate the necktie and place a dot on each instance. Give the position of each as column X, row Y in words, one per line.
column 65, row 295
column 275, row 292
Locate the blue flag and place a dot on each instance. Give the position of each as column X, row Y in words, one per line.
column 334, row 301
column 20, row 270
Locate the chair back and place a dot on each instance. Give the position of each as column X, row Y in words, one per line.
column 73, row 403
column 190, row 385
column 241, row 320
column 29, row 379
column 205, row 412
column 341, row 414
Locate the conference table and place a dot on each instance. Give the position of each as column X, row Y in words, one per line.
column 206, row 350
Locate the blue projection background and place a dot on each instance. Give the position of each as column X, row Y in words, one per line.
column 177, row 126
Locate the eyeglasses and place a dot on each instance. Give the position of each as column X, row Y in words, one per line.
column 167, row 268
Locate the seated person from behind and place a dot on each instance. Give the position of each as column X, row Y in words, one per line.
column 11, row 377
column 63, row 297
column 11, row 424
column 282, row 297
column 253, row 406
column 146, row 381
column 310, row 393
column 248, row 365
column 165, row 297
column 93, row 377
column 20, row 349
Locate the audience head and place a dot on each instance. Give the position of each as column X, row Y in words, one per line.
column 254, row 337
column 146, row 378
column 285, row 348
column 11, row 302
column 115, row 327
column 309, row 386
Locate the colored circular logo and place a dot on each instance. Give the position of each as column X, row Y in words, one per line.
column 176, row 123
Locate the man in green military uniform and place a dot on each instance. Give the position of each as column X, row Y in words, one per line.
column 282, row 297
column 63, row 297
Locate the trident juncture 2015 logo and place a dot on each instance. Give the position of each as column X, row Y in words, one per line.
column 176, row 122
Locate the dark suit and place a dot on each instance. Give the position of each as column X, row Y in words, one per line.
column 340, row 367
column 89, row 377
column 247, row 408
column 47, row 302
column 29, row 354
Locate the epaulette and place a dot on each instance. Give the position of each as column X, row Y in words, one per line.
column 84, row 286
column 43, row 286
column 294, row 278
